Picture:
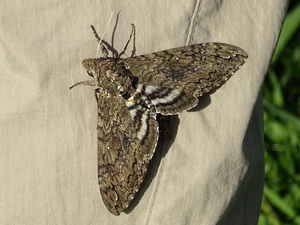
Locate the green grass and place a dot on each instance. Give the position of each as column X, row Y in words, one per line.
column 281, row 202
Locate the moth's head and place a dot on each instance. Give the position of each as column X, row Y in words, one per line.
column 91, row 64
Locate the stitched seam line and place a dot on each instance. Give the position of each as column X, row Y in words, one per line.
column 194, row 21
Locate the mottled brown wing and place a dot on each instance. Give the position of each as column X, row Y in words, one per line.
column 123, row 153
column 197, row 69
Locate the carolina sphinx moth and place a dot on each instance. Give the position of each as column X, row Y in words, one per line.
column 131, row 91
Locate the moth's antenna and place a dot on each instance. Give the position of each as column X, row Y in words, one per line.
column 100, row 45
column 132, row 32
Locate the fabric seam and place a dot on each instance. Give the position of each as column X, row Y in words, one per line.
column 194, row 21
column 189, row 39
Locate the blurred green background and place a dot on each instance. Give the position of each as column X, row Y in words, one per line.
column 281, row 90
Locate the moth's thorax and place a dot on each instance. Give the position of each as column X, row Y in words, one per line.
column 110, row 74
column 91, row 64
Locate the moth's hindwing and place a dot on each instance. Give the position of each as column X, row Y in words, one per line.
column 125, row 146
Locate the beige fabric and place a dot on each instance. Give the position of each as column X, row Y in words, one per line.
column 212, row 172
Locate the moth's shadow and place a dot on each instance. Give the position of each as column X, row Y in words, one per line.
column 162, row 148
column 204, row 101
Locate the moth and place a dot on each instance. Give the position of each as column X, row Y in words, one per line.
column 130, row 92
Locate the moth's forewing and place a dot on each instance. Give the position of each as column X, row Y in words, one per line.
column 197, row 69
column 125, row 147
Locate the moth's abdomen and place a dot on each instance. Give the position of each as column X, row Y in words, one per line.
column 165, row 100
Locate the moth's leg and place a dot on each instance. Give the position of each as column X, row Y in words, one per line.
column 87, row 82
column 102, row 47
column 132, row 33
column 164, row 130
column 96, row 92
